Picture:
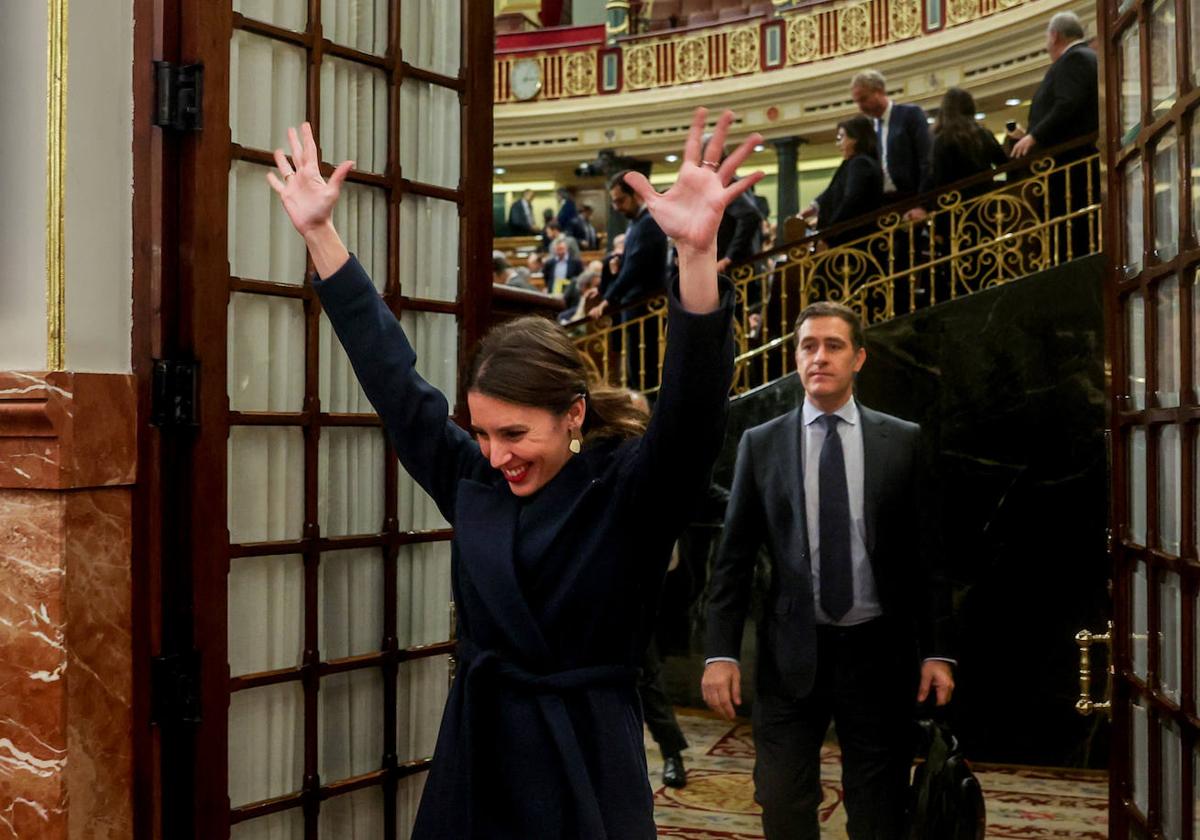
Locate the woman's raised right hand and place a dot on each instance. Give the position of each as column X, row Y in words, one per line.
column 307, row 198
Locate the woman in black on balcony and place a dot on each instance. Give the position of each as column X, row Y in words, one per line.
column 857, row 185
column 961, row 146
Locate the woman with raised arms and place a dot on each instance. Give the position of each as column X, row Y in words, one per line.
column 565, row 504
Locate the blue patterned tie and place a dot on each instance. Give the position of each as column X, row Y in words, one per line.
column 837, row 578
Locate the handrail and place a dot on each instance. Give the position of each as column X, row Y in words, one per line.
column 929, row 198
column 966, row 243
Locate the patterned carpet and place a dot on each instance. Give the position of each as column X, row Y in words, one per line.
column 718, row 802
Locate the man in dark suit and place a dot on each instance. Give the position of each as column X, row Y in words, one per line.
column 903, row 135
column 643, row 272
column 585, row 231
column 1066, row 106
column 520, row 216
column 562, row 267
column 850, row 631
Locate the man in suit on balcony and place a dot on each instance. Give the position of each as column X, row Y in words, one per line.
column 1066, row 106
column 852, row 630
column 903, row 135
column 643, row 272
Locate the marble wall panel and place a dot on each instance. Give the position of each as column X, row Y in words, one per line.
column 64, row 429
column 33, row 664
column 67, row 463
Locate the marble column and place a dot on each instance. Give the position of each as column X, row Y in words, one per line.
column 787, row 153
column 67, row 466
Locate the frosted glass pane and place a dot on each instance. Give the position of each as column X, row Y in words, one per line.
column 1168, row 343
column 266, row 483
column 1140, row 632
column 431, row 35
column 350, row 476
column 434, row 337
column 350, row 596
column 1137, row 486
column 421, row 689
column 408, row 798
column 1163, row 80
column 362, row 24
column 1141, row 757
column 361, row 217
column 337, row 385
column 266, row 613
column 1195, row 337
column 1170, row 638
column 353, row 816
column 1135, row 236
column 1194, row 16
column 290, row 14
column 1135, row 331
column 1131, row 83
column 423, row 594
column 266, row 742
column 354, row 114
column 266, row 90
column 288, row 825
column 263, row 245
column 1166, row 196
column 1171, row 801
column 429, row 229
column 350, row 724
column 1170, row 489
column 265, row 353
column 430, row 128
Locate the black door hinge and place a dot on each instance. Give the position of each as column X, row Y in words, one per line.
column 175, row 680
column 180, row 96
column 175, row 387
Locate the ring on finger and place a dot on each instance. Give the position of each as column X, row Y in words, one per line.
column 711, row 164
column 287, row 175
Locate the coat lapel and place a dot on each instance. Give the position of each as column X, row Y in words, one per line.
column 875, row 457
column 486, row 532
column 790, row 466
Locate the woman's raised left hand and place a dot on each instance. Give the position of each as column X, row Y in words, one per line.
column 690, row 211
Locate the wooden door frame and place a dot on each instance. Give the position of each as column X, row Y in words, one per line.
column 1184, row 265
column 178, row 244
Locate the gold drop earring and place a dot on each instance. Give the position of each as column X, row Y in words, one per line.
column 576, row 445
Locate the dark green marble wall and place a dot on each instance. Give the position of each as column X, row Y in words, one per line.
column 1009, row 387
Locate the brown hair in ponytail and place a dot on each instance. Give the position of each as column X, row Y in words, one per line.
column 531, row 361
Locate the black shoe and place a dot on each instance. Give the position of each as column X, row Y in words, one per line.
column 674, row 774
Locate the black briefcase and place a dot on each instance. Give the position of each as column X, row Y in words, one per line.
column 947, row 801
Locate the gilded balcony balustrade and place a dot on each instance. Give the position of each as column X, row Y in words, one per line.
column 621, row 61
column 978, row 234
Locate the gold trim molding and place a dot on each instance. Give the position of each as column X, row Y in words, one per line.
column 56, row 171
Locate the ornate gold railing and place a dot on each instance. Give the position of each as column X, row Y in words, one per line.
column 976, row 236
column 788, row 38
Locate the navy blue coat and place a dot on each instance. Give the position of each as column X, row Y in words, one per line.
column 542, row 732
column 643, row 265
column 909, row 144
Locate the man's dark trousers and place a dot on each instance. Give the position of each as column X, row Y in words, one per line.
column 866, row 683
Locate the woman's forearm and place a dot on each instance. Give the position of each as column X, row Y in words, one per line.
column 698, row 279
column 327, row 249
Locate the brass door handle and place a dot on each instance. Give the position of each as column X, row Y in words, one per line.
column 1085, row 705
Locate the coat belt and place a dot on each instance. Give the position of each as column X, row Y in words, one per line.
column 547, row 689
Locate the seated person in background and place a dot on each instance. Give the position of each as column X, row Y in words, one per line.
column 612, row 265
column 504, row 275
column 561, row 268
column 857, row 185
column 961, row 146
column 581, row 294
column 534, row 263
column 550, row 231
